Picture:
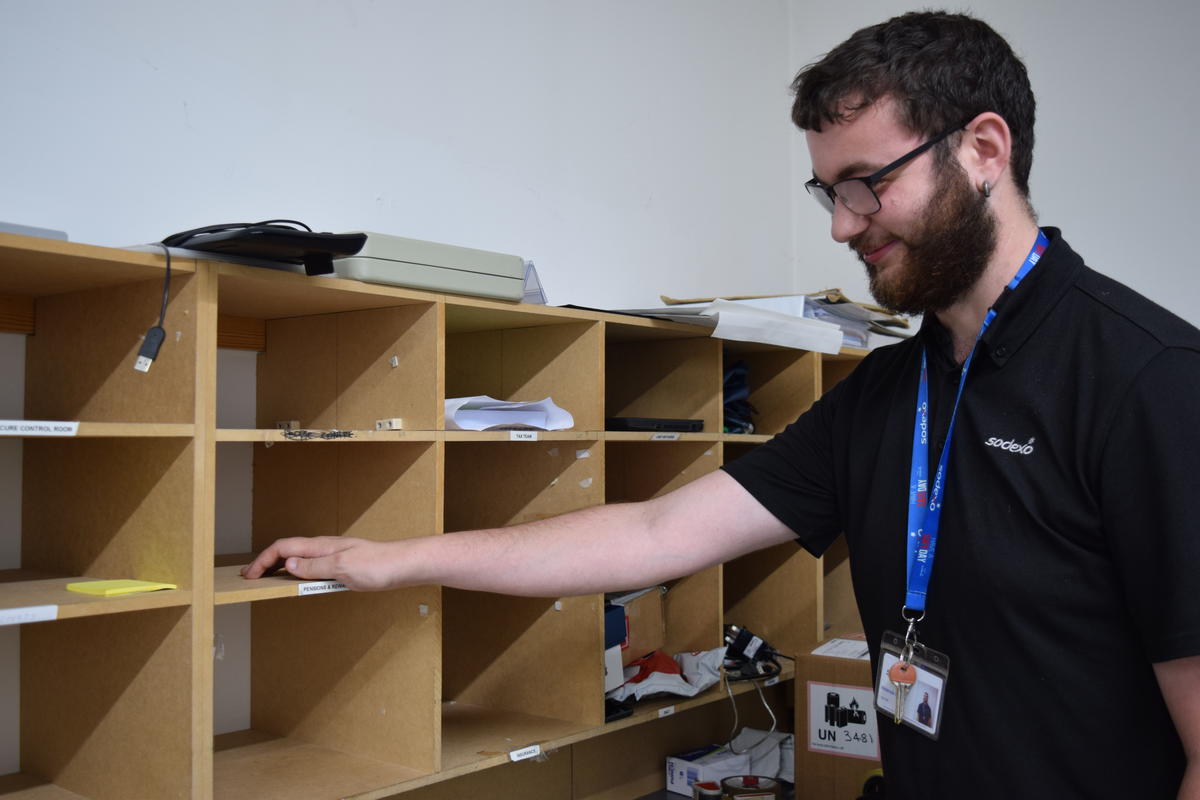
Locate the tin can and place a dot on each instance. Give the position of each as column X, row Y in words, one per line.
column 750, row 787
column 706, row 790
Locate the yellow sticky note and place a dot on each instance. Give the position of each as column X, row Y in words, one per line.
column 113, row 588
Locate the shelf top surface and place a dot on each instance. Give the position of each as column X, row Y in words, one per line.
column 22, row 786
column 257, row 766
column 37, row 267
column 26, row 589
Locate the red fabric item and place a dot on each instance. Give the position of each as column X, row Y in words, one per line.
column 657, row 661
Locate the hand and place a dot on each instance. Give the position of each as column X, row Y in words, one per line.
column 359, row 563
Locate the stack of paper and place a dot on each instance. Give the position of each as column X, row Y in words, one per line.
column 483, row 413
column 750, row 321
column 857, row 321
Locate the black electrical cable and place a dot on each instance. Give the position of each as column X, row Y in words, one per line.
column 156, row 334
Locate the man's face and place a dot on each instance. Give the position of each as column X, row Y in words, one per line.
column 932, row 237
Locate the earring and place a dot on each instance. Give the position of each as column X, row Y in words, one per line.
column 987, row 189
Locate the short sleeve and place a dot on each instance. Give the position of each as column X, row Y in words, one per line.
column 792, row 475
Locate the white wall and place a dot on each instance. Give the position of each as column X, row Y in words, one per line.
column 627, row 148
column 1116, row 85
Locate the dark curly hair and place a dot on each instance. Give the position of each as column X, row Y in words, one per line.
column 942, row 70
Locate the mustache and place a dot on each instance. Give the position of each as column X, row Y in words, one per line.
column 861, row 244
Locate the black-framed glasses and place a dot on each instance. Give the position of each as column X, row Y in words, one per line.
column 858, row 194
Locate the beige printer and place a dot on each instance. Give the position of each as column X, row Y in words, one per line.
column 434, row 267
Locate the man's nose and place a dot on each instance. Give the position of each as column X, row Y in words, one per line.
column 846, row 224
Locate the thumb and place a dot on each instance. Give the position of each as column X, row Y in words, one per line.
column 310, row 568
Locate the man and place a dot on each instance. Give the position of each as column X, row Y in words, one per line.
column 925, row 712
column 1067, row 548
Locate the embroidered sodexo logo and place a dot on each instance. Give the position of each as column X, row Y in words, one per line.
column 1011, row 445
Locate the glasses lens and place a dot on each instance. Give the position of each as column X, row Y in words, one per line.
column 857, row 196
column 821, row 194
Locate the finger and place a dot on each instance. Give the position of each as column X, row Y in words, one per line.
column 282, row 549
column 264, row 562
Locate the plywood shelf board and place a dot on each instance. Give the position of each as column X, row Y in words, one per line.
column 123, row 430
column 28, row 588
column 531, row 779
column 22, row 786
column 278, row 436
column 507, row 436
column 40, row 267
column 251, row 765
column 230, row 587
column 472, row 315
column 261, row 293
column 477, row 737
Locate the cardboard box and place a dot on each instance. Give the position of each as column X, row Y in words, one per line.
column 706, row 764
column 837, row 734
column 644, row 625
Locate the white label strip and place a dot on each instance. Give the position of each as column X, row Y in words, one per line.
column 666, row 712
column 771, row 681
column 525, row 753
column 34, row 427
column 665, row 437
column 320, row 587
column 522, row 436
column 19, row 616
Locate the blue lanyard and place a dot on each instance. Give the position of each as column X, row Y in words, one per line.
column 925, row 505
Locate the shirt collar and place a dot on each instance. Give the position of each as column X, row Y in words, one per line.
column 1019, row 312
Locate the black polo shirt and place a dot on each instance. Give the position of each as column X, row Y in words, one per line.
column 1069, row 545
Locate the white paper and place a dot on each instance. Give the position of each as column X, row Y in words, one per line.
column 483, row 413
column 746, row 324
column 844, row 648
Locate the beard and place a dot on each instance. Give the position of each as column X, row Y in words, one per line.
column 944, row 256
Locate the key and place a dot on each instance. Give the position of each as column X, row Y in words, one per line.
column 903, row 676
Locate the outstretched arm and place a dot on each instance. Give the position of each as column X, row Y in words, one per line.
column 604, row 548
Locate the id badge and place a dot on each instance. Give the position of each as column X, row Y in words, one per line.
column 923, row 701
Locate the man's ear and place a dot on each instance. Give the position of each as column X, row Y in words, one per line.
column 986, row 149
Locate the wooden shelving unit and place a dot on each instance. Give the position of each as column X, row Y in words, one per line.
column 419, row 693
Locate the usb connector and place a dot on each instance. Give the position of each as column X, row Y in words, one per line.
column 149, row 350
